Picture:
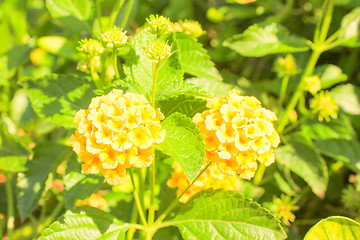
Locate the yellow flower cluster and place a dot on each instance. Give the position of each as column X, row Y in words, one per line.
column 238, row 132
column 115, row 133
column 212, row 178
column 283, row 207
column 312, row 84
column 90, row 47
column 159, row 24
column 324, row 106
column 192, row 28
column 114, row 38
column 158, row 51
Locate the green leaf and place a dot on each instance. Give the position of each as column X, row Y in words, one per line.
column 350, row 29
column 334, row 228
column 266, row 38
column 74, row 14
column 59, row 46
column 193, row 57
column 183, row 143
column 188, row 105
column 305, row 162
column 179, row 87
column 346, row 151
column 336, row 128
column 59, row 97
column 86, row 223
column 78, row 185
column 32, row 184
column 329, row 75
column 213, row 87
column 347, row 97
column 13, row 155
column 226, row 215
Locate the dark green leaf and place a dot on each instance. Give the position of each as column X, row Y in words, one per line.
column 188, row 105
column 32, row 184
column 86, row 223
column 348, row 98
column 305, row 162
column 346, row 151
column 183, row 143
column 329, row 75
column 13, row 155
column 263, row 39
column 59, row 97
column 193, row 57
column 226, row 215
column 334, row 228
column 78, row 185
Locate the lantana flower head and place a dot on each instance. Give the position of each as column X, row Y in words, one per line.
column 192, row 28
column 158, row 51
column 238, row 133
column 324, row 106
column 115, row 133
column 90, row 47
column 211, row 178
column 114, row 38
column 159, row 24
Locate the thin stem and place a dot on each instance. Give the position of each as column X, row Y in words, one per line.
column 116, row 70
column 54, row 214
column 299, row 90
column 10, row 206
column 259, row 174
column 115, row 12
column 133, row 220
column 151, row 216
column 137, row 201
column 329, row 7
column 127, row 13
column 175, row 202
column 98, row 14
column 155, row 70
column 284, row 85
column 142, row 174
column 95, row 76
column 319, row 23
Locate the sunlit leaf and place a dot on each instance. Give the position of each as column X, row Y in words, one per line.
column 348, row 98
column 187, row 105
column 334, row 228
column 226, row 215
column 350, row 29
column 330, row 75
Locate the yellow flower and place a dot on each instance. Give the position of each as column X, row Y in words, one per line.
column 286, row 66
column 114, row 38
column 115, row 133
column 212, row 178
column 282, row 208
column 313, row 84
column 158, row 51
column 159, row 24
column 192, row 28
column 238, row 133
column 324, row 106
column 90, row 47
column 95, row 200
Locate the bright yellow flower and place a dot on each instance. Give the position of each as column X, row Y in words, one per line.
column 324, row 106
column 115, row 133
column 238, row 132
column 158, row 51
column 282, row 208
column 114, row 38
column 192, row 28
column 286, row 66
column 159, row 24
column 91, row 47
column 313, row 84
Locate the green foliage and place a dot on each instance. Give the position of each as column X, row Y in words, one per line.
column 183, row 143
column 188, row 105
column 59, row 97
column 348, row 98
column 226, row 215
column 263, row 39
column 32, row 184
column 86, row 223
column 305, row 162
column 329, row 75
column 350, row 29
column 341, row 228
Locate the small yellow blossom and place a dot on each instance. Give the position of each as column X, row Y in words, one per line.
column 286, row 66
column 324, row 106
column 282, row 208
column 238, row 133
column 158, row 51
column 114, row 38
column 212, row 178
column 86, row 63
column 159, row 24
column 115, row 133
column 312, row 84
column 90, row 47
column 192, row 28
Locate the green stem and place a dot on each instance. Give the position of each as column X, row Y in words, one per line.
column 116, row 70
column 153, row 204
column 10, row 206
column 54, row 214
column 115, row 12
column 95, row 76
column 155, row 70
column 299, row 90
column 142, row 174
column 175, row 202
column 326, row 20
column 133, row 220
column 137, row 200
column 284, row 85
column 259, row 174
column 127, row 13
column 98, row 14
